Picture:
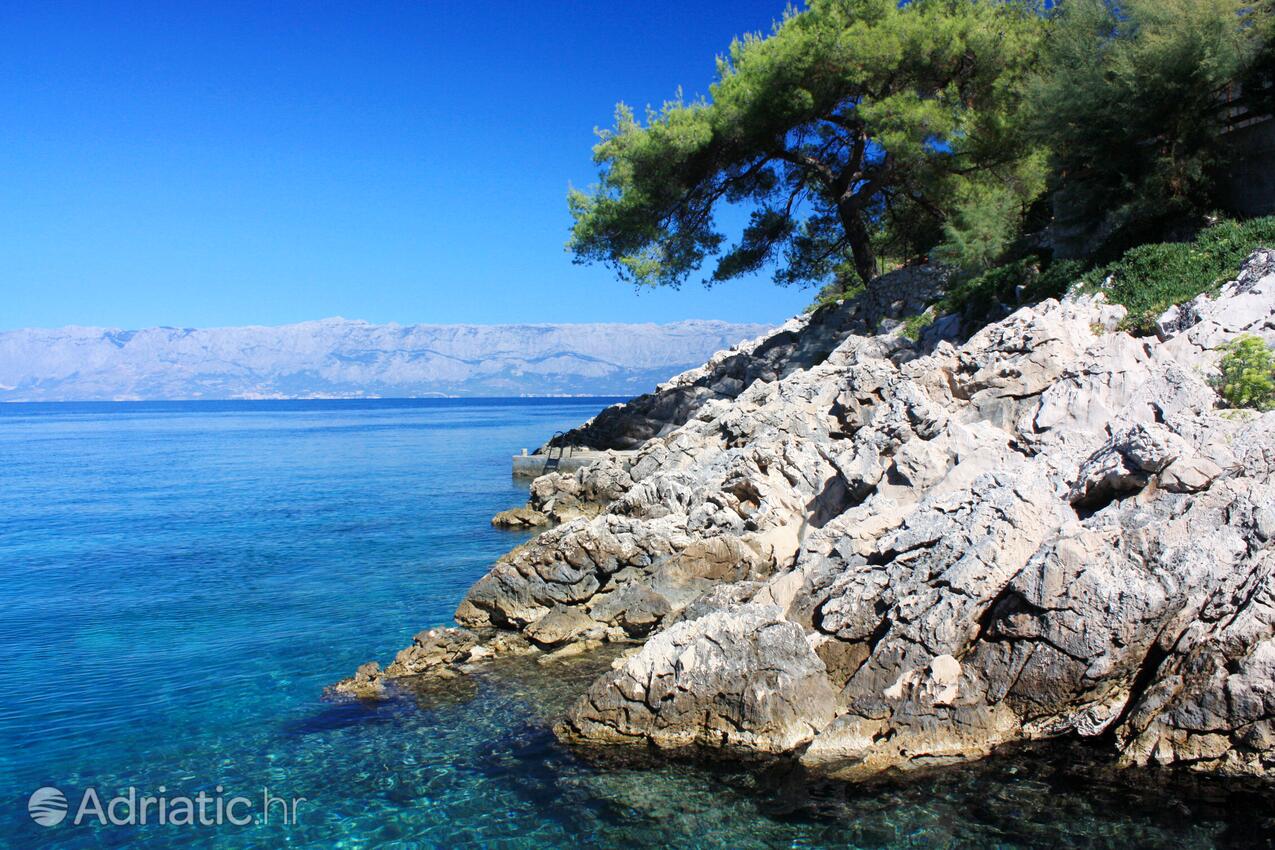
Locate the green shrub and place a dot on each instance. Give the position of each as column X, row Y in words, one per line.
column 914, row 326
column 1147, row 280
column 1248, row 374
column 1150, row 279
column 978, row 298
column 834, row 293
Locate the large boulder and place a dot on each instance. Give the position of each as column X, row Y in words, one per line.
column 431, row 650
column 561, row 625
column 634, row 607
column 524, row 517
column 746, row 679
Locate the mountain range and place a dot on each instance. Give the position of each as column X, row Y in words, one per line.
column 340, row 358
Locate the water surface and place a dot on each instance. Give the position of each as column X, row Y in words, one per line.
column 179, row 581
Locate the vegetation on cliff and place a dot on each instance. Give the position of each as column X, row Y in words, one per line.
column 1132, row 101
column 973, row 132
column 1247, row 376
column 1150, row 278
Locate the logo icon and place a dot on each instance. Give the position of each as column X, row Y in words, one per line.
column 47, row 806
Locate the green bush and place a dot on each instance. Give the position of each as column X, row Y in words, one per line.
column 914, row 326
column 834, row 293
column 1147, row 280
column 1150, row 279
column 979, row 298
column 1248, row 374
column 990, row 295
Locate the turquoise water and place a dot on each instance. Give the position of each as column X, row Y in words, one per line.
column 179, row 581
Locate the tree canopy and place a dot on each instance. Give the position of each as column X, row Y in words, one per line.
column 855, row 127
column 1130, row 98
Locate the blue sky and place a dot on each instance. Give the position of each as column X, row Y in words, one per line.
column 228, row 163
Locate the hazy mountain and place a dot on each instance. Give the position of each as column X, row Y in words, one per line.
column 342, row 358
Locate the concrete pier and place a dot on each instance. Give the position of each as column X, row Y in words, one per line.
column 529, row 466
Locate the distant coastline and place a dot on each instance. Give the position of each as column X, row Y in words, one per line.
column 283, row 404
column 339, row 358
column 422, row 397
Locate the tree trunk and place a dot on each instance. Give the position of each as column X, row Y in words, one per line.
column 865, row 262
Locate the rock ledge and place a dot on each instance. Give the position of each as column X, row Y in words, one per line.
column 873, row 553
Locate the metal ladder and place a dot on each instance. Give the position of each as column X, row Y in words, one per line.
column 552, row 461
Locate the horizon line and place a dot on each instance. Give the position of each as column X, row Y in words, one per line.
column 343, row 320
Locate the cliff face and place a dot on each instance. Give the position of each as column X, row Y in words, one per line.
column 341, row 358
column 799, row 344
column 890, row 554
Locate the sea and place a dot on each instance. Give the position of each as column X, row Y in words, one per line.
column 180, row 580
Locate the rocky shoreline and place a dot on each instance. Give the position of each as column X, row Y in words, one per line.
column 874, row 553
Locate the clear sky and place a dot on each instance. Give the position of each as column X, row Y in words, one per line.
column 225, row 163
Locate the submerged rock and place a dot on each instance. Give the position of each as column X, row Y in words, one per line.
column 434, row 652
column 368, row 682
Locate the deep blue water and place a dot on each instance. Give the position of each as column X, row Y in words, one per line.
column 178, row 581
